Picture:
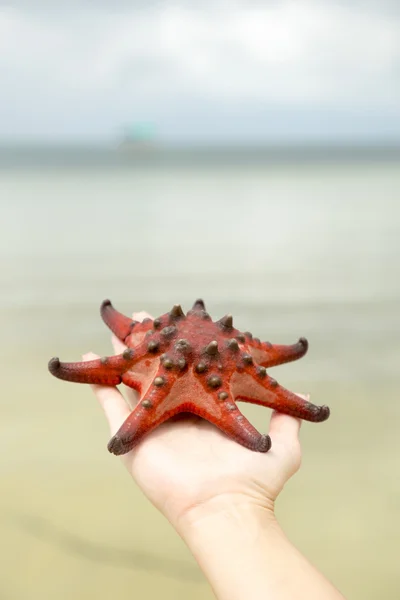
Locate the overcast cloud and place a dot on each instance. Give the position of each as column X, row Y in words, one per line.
column 210, row 70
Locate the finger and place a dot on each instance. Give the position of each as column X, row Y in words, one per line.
column 284, row 428
column 118, row 346
column 111, row 401
column 132, row 397
column 141, row 316
column 116, row 342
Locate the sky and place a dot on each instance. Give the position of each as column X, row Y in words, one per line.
column 202, row 71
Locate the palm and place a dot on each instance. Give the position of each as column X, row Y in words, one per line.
column 187, row 461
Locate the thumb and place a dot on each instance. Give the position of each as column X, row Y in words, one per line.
column 111, row 401
column 285, row 428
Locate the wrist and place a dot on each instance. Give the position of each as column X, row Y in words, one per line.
column 236, row 511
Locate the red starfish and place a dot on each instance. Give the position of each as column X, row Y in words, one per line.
column 187, row 363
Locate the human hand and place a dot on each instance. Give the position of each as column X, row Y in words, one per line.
column 188, row 464
column 220, row 498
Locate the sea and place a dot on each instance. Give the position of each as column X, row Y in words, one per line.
column 293, row 242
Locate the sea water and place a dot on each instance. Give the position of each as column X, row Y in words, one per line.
column 291, row 248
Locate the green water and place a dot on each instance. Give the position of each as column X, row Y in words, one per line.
column 312, row 250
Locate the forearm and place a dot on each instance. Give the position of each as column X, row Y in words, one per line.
column 244, row 554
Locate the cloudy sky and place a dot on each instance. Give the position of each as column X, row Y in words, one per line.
column 202, row 70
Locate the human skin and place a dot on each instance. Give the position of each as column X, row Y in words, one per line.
column 220, row 498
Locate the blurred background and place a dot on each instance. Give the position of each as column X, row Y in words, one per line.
column 246, row 152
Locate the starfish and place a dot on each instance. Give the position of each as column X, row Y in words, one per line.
column 188, row 363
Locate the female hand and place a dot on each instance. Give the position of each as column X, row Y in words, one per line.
column 220, row 498
column 187, row 464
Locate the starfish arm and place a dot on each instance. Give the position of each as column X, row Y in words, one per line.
column 271, row 355
column 102, row 371
column 117, row 322
column 132, row 431
column 284, row 401
column 121, row 325
column 150, row 412
column 230, row 420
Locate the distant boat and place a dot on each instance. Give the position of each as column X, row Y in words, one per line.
column 138, row 137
